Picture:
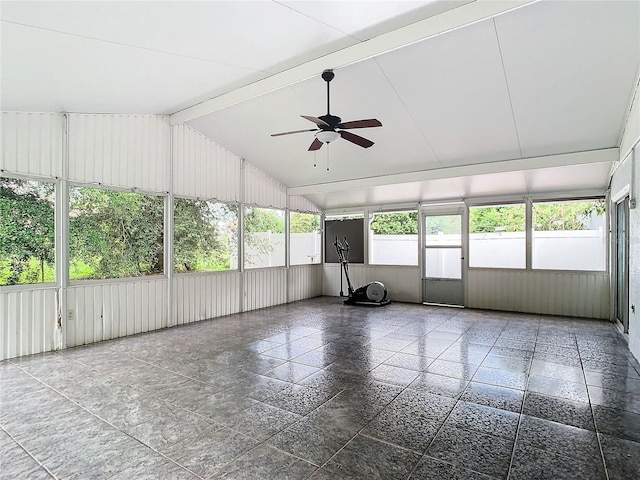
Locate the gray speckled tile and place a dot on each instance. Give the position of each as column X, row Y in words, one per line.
column 557, row 371
column 494, row 396
column 558, row 388
column 502, row 378
column 15, row 463
column 508, row 364
column 205, row 456
column 292, row 372
column 431, row 469
column 412, row 362
column 311, row 440
column 439, row 385
column 370, row 459
column 394, row 375
column 401, row 428
column 614, row 399
column 483, row 419
column 561, row 410
column 621, row 456
column 262, row 421
column 455, row 369
column 547, row 435
column 266, row 463
column 477, row 451
column 300, row 399
column 532, row 463
column 617, row 423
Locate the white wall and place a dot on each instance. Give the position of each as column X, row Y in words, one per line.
column 135, row 152
column 626, row 180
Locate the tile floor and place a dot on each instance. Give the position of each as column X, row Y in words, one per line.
column 319, row 390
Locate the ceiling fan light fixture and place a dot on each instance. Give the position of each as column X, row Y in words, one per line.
column 327, row 136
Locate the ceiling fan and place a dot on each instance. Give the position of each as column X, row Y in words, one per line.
column 330, row 128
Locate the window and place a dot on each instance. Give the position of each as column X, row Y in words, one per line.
column 305, row 238
column 114, row 234
column 443, row 246
column 27, row 236
column 205, row 236
column 497, row 236
column 569, row 235
column 264, row 242
column 394, row 238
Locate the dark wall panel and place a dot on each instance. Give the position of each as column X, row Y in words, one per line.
column 353, row 229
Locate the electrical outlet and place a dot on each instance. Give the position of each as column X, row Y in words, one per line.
column 69, row 315
column 633, row 309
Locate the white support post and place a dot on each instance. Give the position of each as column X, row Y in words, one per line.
column 62, row 238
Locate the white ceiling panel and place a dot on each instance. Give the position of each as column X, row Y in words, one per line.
column 571, row 68
column 365, row 20
column 454, row 88
column 494, row 80
column 79, row 75
column 357, row 92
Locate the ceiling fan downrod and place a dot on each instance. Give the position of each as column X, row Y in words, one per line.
column 327, row 76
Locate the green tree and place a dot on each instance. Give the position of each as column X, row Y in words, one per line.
column 204, row 234
column 115, row 234
column 566, row 215
column 505, row 218
column 27, row 229
column 304, row 222
column 263, row 220
column 402, row 223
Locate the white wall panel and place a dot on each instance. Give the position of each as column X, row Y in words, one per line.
column 130, row 151
column 198, row 297
column 202, row 168
column 260, row 189
column 403, row 282
column 28, row 322
column 631, row 132
column 265, row 287
column 575, row 294
column 100, row 311
column 32, row 143
column 634, row 265
column 299, row 203
column 304, row 281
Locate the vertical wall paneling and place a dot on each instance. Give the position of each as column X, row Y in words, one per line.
column 31, row 144
column 202, row 168
column 127, row 151
column 403, row 282
column 28, row 321
column 265, row 287
column 101, row 311
column 298, row 203
column 261, row 189
column 304, row 281
column 576, row 294
column 199, row 297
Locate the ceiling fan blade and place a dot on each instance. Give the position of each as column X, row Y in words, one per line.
column 370, row 122
column 315, row 145
column 294, row 131
column 316, row 120
column 357, row 139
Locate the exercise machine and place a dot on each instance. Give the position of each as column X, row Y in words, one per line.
column 373, row 294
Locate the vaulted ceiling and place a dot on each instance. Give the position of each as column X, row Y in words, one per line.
column 477, row 98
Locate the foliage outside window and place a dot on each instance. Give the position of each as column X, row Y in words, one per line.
column 264, row 237
column 569, row 235
column 305, row 238
column 497, row 236
column 27, row 231
column 394, row 238
column 205, row 236
column 114, row 234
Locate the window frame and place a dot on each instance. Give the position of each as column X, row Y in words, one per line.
column 285, row 259
column 290, row 243
column 370, row 236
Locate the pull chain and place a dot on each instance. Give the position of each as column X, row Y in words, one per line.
column 327, row 156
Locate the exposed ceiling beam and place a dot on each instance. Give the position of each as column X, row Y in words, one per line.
column 450, row 20
column 578, row 158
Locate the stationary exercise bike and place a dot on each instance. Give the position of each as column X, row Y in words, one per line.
column 373, row 294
